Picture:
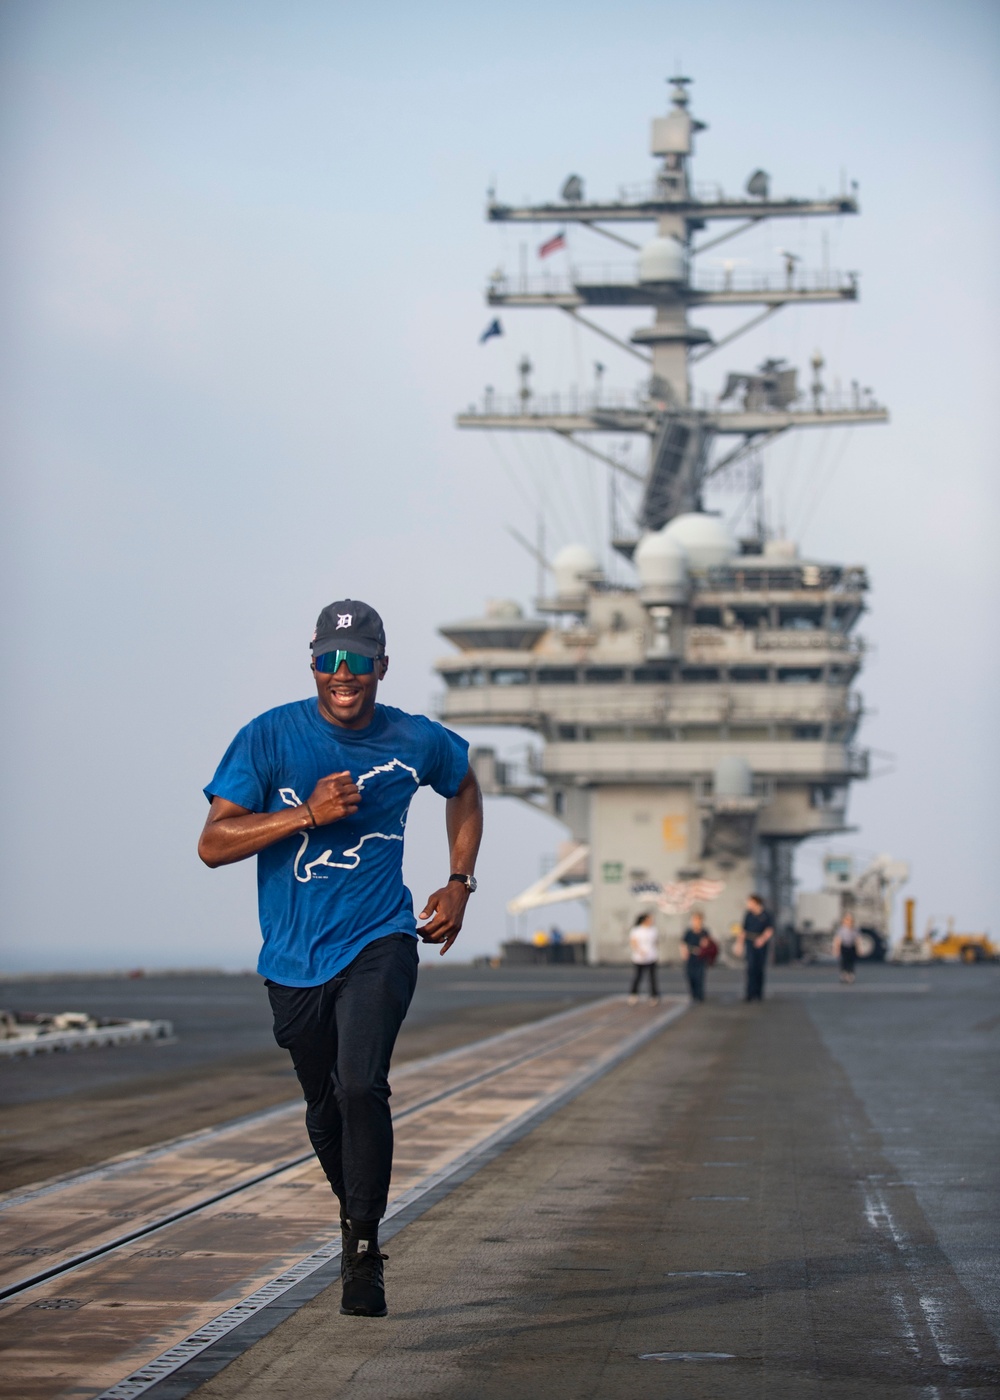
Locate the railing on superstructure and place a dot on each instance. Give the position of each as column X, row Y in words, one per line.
column 755, row 577
column 626, row 275
column 636, row 401
column 709, row 193
column 644, row 200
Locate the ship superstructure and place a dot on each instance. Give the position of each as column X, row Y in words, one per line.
column 699, row 722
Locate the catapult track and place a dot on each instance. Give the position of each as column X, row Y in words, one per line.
column 456, row 1111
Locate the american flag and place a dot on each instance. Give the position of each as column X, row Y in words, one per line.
column 682, row 895
column 553, row 245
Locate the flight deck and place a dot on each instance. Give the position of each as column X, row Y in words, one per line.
column 716, row 1201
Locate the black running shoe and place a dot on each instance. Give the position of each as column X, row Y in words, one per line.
column 363, row 1276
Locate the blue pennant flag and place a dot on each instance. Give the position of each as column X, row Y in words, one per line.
column 494, row 328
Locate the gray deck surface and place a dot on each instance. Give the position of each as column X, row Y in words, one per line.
column 862, row 1126
column 802, row 1194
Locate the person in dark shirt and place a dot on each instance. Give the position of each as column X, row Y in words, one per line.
column 845, row 945
column 694, row 949
column 758, row 930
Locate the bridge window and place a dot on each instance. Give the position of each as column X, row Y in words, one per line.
column 801, row 619
column 699, row 673
column 461, row 680
column 825, row 796
column 511, row 677
column 557, row 675
column 652, row 675
column 800, row 675
column 746, row 674
column 604, row 674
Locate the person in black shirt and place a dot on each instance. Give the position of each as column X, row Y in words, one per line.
column 694, row 947
column 758, row 930
column 845, row 945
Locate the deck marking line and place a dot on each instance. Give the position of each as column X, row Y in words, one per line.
column 687, row 1356
column 706, row 1273
column 880, row 1217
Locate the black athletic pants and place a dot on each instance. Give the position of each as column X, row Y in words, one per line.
column 695, row 969
column 640, row 968
column 340, row 1036
column 756, row 963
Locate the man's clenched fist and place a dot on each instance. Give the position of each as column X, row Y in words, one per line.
column 333, row 798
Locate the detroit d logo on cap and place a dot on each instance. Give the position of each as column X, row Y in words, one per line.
column 344, row 620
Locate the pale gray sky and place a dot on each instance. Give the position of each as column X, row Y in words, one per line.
column 244, row 256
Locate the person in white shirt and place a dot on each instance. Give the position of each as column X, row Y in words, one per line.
column 642, row 942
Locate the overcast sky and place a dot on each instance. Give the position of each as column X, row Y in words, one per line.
column 243, row 265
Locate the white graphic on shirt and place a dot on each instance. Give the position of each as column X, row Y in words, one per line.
column 352, row 855
column 387, row 768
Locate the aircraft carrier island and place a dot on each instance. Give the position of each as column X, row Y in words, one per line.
column 698, row 721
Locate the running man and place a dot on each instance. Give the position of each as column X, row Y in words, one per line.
column 318, row 791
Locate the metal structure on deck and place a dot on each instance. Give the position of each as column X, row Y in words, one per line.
column 697, row 723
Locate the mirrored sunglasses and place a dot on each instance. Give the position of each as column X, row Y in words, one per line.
column 329, row 662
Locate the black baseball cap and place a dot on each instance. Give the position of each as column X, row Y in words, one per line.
column 349, row 625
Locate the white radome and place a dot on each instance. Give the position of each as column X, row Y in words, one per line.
column 662, row 566
column 663, row 260
column 571, row 567
column 704, row 538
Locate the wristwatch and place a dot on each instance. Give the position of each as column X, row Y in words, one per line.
column 469, row 881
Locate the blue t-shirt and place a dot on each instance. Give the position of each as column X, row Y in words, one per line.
column 325, row 893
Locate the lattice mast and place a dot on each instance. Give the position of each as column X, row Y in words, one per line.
column 754, row 408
